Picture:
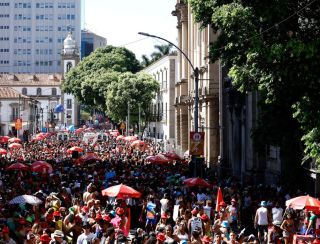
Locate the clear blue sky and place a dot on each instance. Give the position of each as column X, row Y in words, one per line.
column 120, row 21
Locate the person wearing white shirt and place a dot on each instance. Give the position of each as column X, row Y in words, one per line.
column 164, row 203
column 277, row 213
column 261, row 221
column 87, row 236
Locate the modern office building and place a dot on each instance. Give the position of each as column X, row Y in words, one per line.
column 90, row 42
column 32, row 34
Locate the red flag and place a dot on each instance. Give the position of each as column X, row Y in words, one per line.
column 219, row 200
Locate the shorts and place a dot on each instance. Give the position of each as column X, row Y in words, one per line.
column 151, row 222
column 262, row 228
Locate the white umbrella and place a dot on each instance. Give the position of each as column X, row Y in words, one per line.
column 26, row 199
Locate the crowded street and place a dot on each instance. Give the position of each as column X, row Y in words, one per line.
column 118, row 189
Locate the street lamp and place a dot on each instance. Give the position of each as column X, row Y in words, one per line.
column 195, row 73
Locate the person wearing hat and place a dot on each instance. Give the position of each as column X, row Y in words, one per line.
column 161, row 238
column 224, row 230
column 57, row 237
column 45, row 239
column 120, row 221
column 87, row 236
column 206, row 240
column 5, row 235
column 195, row 223
column 57, row 220
column 261, row 221
column 206, row 225
column 233, row 214
column 162, row 222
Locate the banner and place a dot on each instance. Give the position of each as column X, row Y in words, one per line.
column 196, row 143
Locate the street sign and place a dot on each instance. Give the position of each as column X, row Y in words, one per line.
column 18, row 124
column 122, row 126
column 196, row 143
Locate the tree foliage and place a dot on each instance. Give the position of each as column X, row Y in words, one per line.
column 107, row 79
column 273, row 47
column 130, row 90
column 161, row 50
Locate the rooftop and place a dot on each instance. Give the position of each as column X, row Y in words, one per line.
column 8, row 92
column 30, row 79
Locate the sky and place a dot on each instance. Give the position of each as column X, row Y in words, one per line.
column 121, row 20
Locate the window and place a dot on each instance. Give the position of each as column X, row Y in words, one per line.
column 4, row 27
column 4, row 38
column 4, row 4
column 69, row 104
column 22, row 28
column 15, row 113
column 39, row 91
column 4, row 61
column 22, row 16
column 24, row 91
column 54, row 91
column 69, row 66
column 4, row 15
column 22, row 5
column 44, row 5
column 4, row 50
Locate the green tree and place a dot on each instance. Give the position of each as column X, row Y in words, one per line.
column 161, row 50
column 89, row 80
column 130, row 89
column 273, row 47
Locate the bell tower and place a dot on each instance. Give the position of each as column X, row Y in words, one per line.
column 70, row 58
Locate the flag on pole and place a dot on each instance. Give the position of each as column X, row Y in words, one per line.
column 219, row 200
column 59, row 108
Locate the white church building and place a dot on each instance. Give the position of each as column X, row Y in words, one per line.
column 34, row 97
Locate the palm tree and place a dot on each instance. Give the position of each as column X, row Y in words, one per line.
column 145, row 61
column 162, row 50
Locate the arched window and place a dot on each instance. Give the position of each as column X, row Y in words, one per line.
column 54, row 91
column 39, row 91
column 24, row 91
column 69, row 66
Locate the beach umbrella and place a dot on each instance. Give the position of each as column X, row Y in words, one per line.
column 121, row 191
column 3, row 151
column 18, row 166
column 15, row 145
column 172, row 155
column 131, row 138
column 73, row 149
column 41, row 167
column 120, row 137
column 138, row 143
column 157, row 159
column 304, row 202
column 4, row 139
column 90, row 158
column 196, row 182
column 14, row 139
column 33, row 200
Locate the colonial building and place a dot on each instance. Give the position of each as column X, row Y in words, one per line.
column 162, row 111
column 194, row 42
column 226, row 116
column 45, row 92
column 13, row 103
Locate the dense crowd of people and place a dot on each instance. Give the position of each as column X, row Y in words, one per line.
column 74, row 210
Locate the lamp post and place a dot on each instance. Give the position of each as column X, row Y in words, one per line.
column 196, row 92
column 195, row 73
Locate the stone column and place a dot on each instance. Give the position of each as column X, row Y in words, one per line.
column 184, row 40
column 213, row 130
column 184, row 128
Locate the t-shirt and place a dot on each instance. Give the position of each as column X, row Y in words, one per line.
column 164, row 205
column 262, row 213
column 277, row 214
column 85, row 239
column 151, row 214
column 196, row 224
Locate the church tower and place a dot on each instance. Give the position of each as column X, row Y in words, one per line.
column 70, row 58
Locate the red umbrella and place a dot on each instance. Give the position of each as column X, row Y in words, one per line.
column 72, row 149
column 78, row 131
column 172, row 156
column 138, row 143
column 90, row 158
column 131, row 138
column 304, row 202
column 114, row 133
column 18, row 166
column 3, row 151
column 196, row 182
column 41, row 167
column 4, row 139
column 15, row 145
column 14, row 139
column 121, row 137
column 121, row 191
column 158, row 159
